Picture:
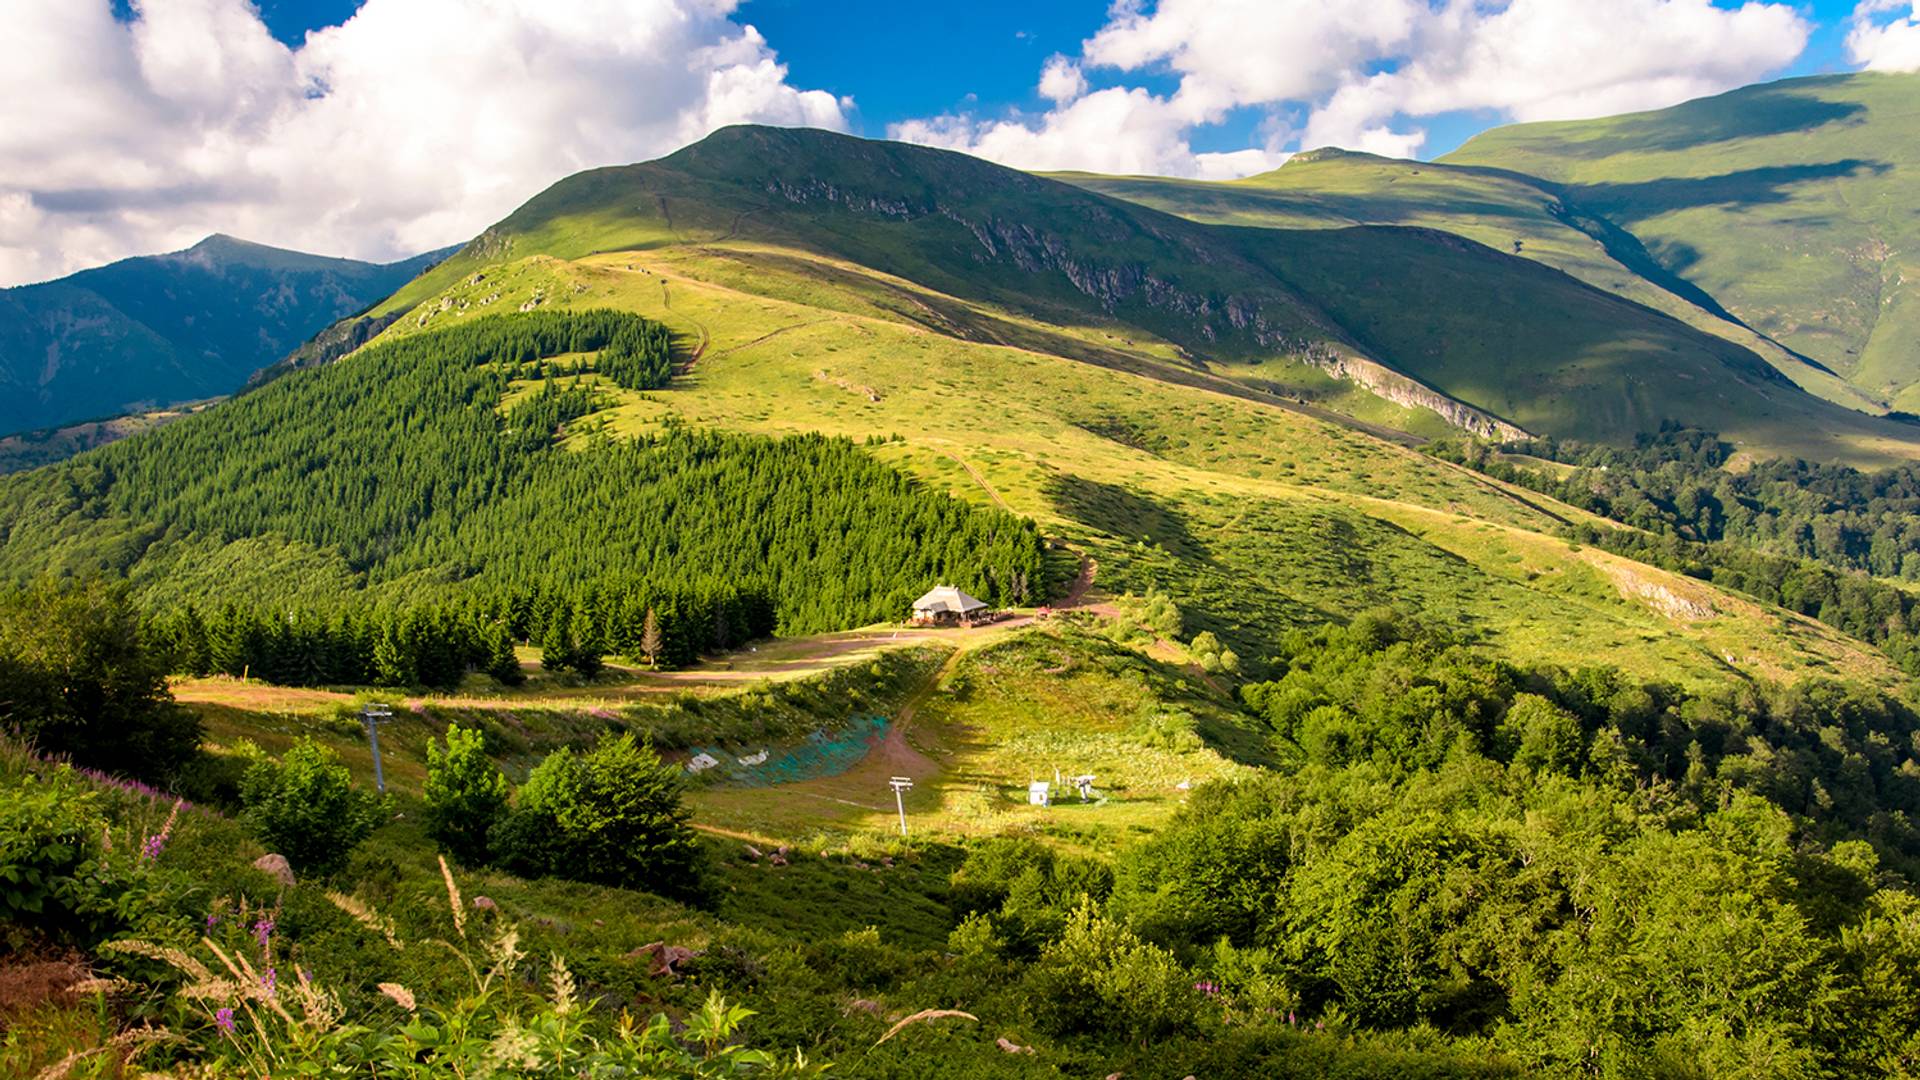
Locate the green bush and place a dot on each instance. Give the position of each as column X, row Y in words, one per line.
column 305, row 806
column 1026, row 887
column 465, row 794
column 80, row 680
column 612, row 815
column 49, row 831
column 1099, row 978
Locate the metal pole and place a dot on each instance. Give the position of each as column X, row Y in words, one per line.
column 900, row 786
column 373, row 715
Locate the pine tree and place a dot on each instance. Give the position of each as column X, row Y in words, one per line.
column 556, row 644
column 589, row 650
column 392, row 661
column 502, row 662
column 650, row 640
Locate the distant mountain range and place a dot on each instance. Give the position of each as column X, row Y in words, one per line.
column 156, row 330
column 1780, row 217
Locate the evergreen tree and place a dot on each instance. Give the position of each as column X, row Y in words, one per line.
column 588, row 657
column 556, row 644
column 650, row 640
column 502, row 662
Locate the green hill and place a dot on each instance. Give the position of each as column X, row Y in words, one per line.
column 1790, row 203
column 1504, row 210
column 1432, row 324
column 163, row 329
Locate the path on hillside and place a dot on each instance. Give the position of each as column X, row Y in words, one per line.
column 980, row 479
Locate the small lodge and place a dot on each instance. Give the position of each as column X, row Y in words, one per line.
column 945, row 605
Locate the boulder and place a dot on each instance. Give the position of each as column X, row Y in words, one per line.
column 277, row 868
column 661, row 957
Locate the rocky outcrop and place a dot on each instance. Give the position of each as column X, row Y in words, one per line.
column 1404, row 390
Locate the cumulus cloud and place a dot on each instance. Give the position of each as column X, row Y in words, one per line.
column 412, row 125
column 1884, row 35
column 1364, row 74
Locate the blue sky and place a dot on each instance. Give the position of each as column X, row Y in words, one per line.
column 383, row 128
column 900, row 61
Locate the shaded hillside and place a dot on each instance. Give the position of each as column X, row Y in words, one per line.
column 162, row 329
column 1507, row 211
column 1791, row 203
column 1272, row 308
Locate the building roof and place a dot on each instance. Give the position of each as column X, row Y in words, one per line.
column 947, row 598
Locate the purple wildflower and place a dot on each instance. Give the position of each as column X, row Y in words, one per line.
column 267, row 981
column 262, row 931
column 213, row 920
column 223, row 1019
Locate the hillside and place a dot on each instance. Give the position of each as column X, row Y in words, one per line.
column 1789, row 203
column 1257, row 511
column 1502, row 209
column 163, row 329
column 1474, row 337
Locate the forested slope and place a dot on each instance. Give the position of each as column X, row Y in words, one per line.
column 162, row 329
column 470, row 462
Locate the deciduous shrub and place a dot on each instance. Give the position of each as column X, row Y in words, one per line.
column 49, row 830
column 1099, row 978
column 305, row 806
column 612, row 815
column 79, row 680
column 465, row 794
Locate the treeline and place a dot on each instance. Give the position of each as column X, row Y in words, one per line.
column 1806, row 548
column 436, row 646
column 1676, row 483
column 1399, row 696
column 397, row 473
column 1871, row 610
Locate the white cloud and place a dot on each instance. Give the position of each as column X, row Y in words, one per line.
column 1365, row 73
column 1061, row 80
column 1117, row 130
column 1880, row 44
column 413, row 125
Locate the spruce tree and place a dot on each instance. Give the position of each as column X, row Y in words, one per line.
column 502, row 662
column 650, row 640
column 556, row 644
column 589, row 650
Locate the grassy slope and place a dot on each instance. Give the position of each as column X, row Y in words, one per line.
column 1040, row 264
column 1506, row 211
column 1259, row 516
column 1791, row 202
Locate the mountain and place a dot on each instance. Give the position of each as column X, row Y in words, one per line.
column 1504, row 210
column 1007, row 341
column 1446, row 331
column 1790, row 203
column 162, row 329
